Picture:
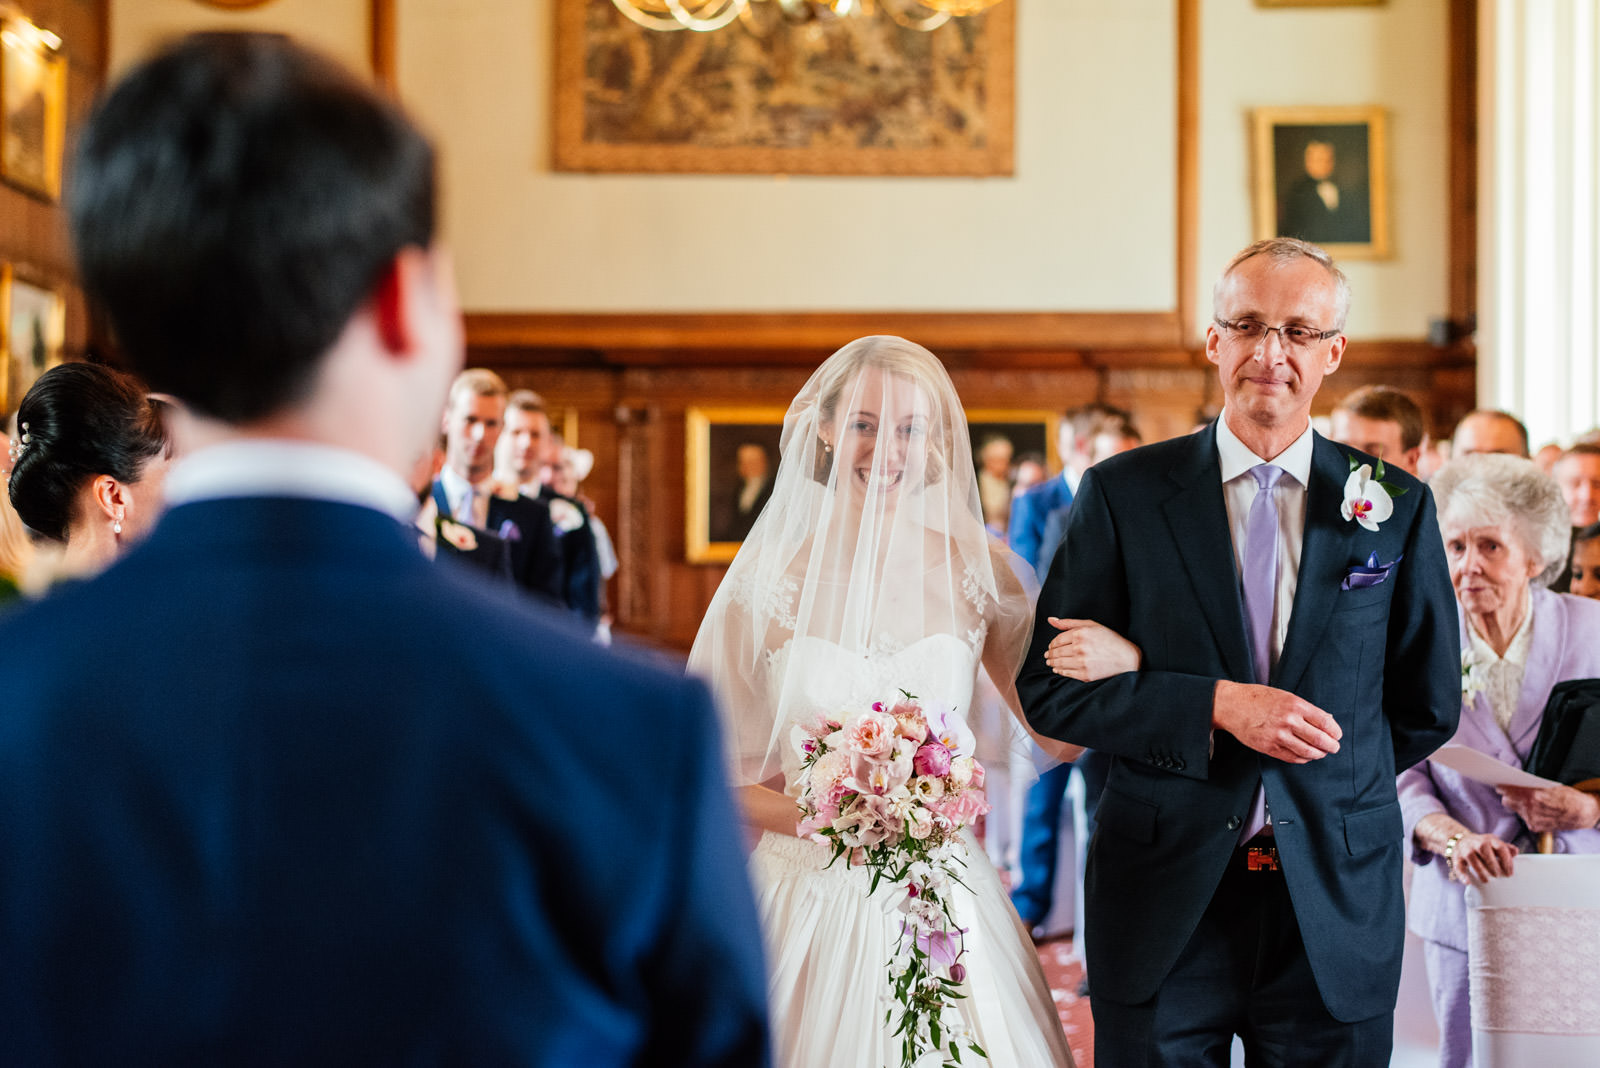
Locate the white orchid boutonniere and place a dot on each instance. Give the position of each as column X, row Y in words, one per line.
column 1367, row 498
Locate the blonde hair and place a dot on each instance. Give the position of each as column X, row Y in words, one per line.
column 895, row 356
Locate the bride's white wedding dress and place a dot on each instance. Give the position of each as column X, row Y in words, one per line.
column 829, row 942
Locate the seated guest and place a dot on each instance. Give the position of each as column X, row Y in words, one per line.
column 1577, row 472
column 1381, row 422
column 1485, row 430
column 1585, row 574
column 88, row 462
column 1505, row 529
column 467, row 493
column 527, row 448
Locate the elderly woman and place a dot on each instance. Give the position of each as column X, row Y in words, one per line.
column 1505, row 532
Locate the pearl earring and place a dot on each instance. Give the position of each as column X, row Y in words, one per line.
column 116, row 524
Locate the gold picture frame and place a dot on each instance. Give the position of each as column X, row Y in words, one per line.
column 1321, row 173
column 32, row 332
column 789, row 100
column 33, row 107
column 717, row 513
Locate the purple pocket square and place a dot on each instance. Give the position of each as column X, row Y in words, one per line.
column 510, row 531
column 1360, row 577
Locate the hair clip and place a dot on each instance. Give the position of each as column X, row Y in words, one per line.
column 19, row 443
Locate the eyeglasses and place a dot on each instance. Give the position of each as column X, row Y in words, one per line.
column 1292, row 335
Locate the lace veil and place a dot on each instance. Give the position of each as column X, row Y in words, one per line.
column 873, row 540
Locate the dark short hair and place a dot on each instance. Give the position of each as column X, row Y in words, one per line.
column 233, row 201
column 1388, row 405
column 1588, row 533
column 82, row 420
column 1582, row 448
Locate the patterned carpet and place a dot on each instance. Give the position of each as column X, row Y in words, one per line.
column 1065, row 974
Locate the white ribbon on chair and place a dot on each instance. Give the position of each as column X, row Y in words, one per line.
column 1534, row 957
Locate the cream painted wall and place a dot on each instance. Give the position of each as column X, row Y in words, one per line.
column 1090, row 181
column 1087, row 223
column 1394, row 56
column 339, row 27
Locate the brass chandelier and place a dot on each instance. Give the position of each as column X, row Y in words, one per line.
column 762, row 16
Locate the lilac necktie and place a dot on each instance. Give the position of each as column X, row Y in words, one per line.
column 1260, row 573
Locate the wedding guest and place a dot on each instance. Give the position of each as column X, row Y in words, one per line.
column 1485, row 430
column 1031, row 471
column 274, row 790
column 527, row 448
column 88, row 463
column 15, row 549
column 467, row 492
column 1547, row 456
column 994, row 482
column 1381, row 422
column 1578, row 475
column 1505, row 531
column 1585, row 578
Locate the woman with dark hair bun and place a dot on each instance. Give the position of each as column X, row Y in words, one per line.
column 88, row 459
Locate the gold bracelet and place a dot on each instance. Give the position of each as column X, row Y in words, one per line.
column 1450, row 852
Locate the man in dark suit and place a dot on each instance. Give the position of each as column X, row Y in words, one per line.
column 527, row 449
column 1317, row 207
column 1245, row 877
column 310, row 800
column 467, row 492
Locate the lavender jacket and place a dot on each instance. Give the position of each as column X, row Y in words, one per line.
column 1566, row 645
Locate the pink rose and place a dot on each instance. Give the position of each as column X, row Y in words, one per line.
column 871, row 735
column 932, row 759
column 910, row 721
column 962, row 808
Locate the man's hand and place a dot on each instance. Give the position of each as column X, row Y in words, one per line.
column 1274, row 722
column 1552, row 808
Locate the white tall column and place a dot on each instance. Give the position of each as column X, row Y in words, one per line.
column 1539, row 244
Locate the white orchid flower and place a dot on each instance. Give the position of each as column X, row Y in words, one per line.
column 1365, row 499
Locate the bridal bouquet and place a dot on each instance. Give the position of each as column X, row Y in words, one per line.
column 891, row 787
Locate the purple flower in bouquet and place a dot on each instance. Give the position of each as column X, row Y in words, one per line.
column 932, row 758
column 943, row 946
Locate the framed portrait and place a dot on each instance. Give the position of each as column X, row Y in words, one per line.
column 731, row 460
column 863, row 94
column 33, row 108
column 1000, row 438
column 1320, row 174
column 33, row 321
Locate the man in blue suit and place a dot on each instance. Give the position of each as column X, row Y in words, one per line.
column 1300, row 647
column 273, row 789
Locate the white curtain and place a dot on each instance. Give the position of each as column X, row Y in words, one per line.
column 1539, row 252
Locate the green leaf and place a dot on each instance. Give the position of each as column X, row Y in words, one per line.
column 974, row 1047
column 1378, row 473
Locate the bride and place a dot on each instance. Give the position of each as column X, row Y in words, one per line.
column 869, row 572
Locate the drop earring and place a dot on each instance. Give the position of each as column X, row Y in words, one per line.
column 116, row 524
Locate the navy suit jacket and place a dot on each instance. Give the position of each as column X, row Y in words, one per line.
column 1149, row 554
column 1029, row 513
column 274, row 790
column 580, row 561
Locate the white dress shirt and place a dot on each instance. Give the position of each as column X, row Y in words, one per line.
column 276, row 467
column 1239, row 489
column 1502, row 675
column 455, row 491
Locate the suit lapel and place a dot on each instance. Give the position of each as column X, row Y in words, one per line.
column 1323, row 552
column 1198, row 519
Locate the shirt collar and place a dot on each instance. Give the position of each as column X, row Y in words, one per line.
column 1237, row 458
column 1072, row 479
column 261, row 467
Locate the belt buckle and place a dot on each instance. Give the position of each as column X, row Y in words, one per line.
column 1261, row 858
